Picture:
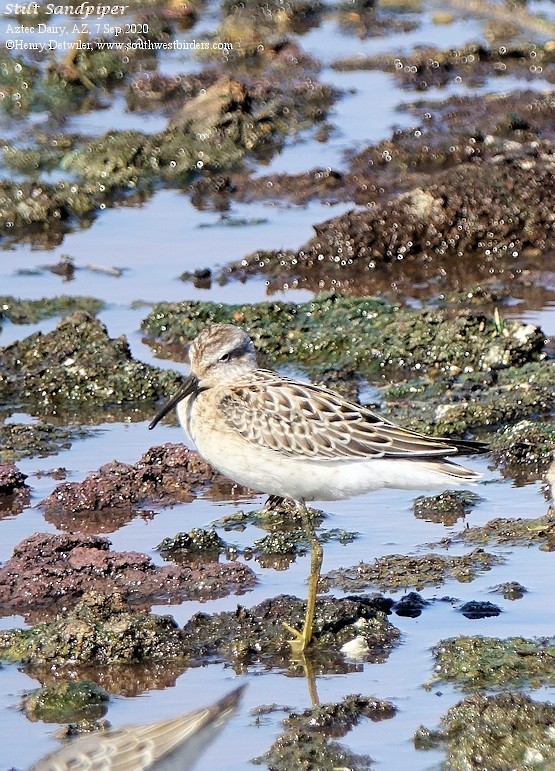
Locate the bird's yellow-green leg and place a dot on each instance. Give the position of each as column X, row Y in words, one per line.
column 301, row 640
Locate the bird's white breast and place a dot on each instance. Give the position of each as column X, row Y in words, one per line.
column 301, row 478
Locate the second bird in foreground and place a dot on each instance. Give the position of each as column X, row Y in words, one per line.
column 296, row 440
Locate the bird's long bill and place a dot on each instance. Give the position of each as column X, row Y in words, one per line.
column 188, row 386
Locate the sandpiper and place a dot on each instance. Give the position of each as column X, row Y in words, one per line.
column 164, row 745
column 295, row 440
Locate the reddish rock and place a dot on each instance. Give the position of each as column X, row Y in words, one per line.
column 164, row 475
column 14, row 493
column 49, row 572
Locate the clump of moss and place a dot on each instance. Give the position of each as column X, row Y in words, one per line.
column 446, row 507
column 78, row 365
column 490, row 662
column 505, row 731
column 539, row 531
column 23, row 440
column 453, row 404
column 30, row 311
column 526, row 449
column 303, row 749
column 66, row 702
column 196, row 542
column 98, row 631
column 305, row 741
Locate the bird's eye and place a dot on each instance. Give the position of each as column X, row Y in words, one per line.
column 225, row 357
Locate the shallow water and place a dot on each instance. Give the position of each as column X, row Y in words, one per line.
column 154, row 244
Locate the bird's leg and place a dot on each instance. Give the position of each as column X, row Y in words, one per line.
column 301, row 640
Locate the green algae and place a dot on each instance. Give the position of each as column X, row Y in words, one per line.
column 99, row 631
column 366, row 334
column 501, row 732
column 446, row 507
column 490, row 662
column 518, row 531
column 450, row 406
column 525, row 450
column 24, row 440
column 196, row 542
column 394, row 572
column 66, row 702
column 30, row 311
column 78, row 367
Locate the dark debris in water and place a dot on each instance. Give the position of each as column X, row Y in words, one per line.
column 411, row 605
column 47, row 573
column 511, row 590
column 479, row 609
column 305, row 742
column 511, row 728
column 397, row 571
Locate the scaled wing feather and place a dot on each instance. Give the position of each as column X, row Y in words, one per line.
column 305, row 420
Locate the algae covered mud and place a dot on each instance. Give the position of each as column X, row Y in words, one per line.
column 366, row 188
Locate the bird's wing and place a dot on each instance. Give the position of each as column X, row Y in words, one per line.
column 300, row 419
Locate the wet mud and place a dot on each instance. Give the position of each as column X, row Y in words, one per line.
column 165, row 475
